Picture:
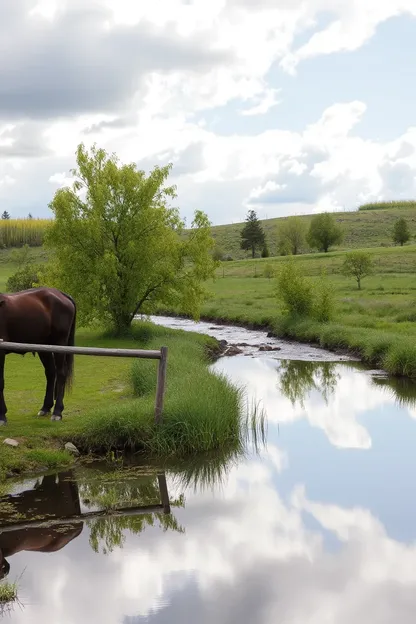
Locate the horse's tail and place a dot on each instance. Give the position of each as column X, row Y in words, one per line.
column 71, row 343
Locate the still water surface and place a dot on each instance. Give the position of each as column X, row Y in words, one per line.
column 319, row 527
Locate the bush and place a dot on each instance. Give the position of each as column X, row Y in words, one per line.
column 26, row 277
column 303, row 297
column 269, row 270
column 295, row 291
column 324, row 300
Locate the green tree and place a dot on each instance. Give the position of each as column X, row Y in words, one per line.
column 291, row 235
column 119, row 248
column 357, row 264
column 5, row 215
column 401, row 232
column 324, row 232
column 252, row 235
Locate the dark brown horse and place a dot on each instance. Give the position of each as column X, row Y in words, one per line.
column 55, row 496
column 40, row 316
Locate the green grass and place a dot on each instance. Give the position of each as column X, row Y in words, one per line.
column 377, row 323
column 112, row 402
column 361, row 228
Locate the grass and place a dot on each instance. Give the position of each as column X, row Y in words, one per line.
column 112, row 403
column 377, row 323
column 8, row 592
column 361, row 228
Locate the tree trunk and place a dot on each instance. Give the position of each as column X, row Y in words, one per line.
column 359, row 283
column 253, row 251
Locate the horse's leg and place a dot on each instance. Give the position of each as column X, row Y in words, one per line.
column 50, row 374
column 61, row 370
column 3, row 408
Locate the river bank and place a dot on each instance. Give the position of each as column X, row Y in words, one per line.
column 111, row 406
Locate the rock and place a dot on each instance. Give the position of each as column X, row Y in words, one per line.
column 222, row 343
column 232, row 350
column 271, row 335
column 242, row 344
column 10, row 442
column 71, row 448
column 269, row 348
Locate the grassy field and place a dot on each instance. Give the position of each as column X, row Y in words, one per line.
column 363, row 228
column 377, row 323
column 111, row 405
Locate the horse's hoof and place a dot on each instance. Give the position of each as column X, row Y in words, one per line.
column 56, row 417
column 43, row 413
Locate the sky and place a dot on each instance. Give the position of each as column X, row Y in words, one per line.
column 281, row 106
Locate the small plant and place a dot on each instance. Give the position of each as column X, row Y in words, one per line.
column 324, row 300
column 269, row 270
column 265, row 251
column 357, row 264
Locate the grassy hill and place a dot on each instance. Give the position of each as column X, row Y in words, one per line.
column 362, row 229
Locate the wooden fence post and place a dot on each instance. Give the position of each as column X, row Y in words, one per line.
column 161, row 382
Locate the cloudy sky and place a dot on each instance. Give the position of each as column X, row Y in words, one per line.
column 287, row 106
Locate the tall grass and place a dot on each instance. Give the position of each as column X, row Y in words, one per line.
column 203, row 411
column 386, row 205
column 19, row 232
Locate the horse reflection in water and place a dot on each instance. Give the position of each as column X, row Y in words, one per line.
column 56, row 496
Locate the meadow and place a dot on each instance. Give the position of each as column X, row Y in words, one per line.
column 370, row 226
column 377, row 323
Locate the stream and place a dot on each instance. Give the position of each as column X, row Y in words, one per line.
column 317, row 527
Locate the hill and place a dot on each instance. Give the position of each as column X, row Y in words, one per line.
column 362, row 229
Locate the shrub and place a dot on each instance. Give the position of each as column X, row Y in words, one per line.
column 324, row 300
column 357, row 264
column 269, row 270
column 295, row 291
column 26, row 277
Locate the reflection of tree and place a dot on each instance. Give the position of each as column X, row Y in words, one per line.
column 122, row 489
column 400, row 388
column 298, row 378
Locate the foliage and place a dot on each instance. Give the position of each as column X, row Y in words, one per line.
column 295, row 290
column 291, row 235
column 27, row 273
column 324, row 232
column 387, row 205
column 401, row 232
column 252, row 235
column 218, row 254
column 18, row 232
column 324, row 299
column 357, row 264
column 265, row 251
column 5, row 215
column 119, row 250
column 269, row 270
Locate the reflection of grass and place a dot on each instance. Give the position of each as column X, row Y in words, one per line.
column 8, row 592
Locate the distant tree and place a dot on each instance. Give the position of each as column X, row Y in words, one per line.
column 401, row 232
column 324, row 232
column 265, row 251
column 29, row 216
column 291, row 235
column 357, row 264
column 5, row 215
column 252, row 235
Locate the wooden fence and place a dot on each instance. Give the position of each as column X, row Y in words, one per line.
column 161, row 355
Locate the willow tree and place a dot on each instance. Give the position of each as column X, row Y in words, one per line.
column 119, row 248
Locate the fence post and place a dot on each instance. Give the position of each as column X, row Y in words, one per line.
column 161, row 381
column 164, row 494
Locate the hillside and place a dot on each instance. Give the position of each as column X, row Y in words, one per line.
column 364, row 228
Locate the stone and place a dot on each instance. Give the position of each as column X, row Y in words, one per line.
column 232, row 350
column 10, row 442
column 271, row 335
column 269, row 348
column 71, row 448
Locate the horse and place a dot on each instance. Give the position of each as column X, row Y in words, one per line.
column 50, row 498
column 40, row 316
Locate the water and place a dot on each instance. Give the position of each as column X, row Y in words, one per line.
column 318, row 528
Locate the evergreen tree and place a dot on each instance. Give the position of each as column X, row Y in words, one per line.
column 5, row 215
column 252, row 235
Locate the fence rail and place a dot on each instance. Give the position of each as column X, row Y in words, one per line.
column 160, row 354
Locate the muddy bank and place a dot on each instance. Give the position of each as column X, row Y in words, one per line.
column 252, row 342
